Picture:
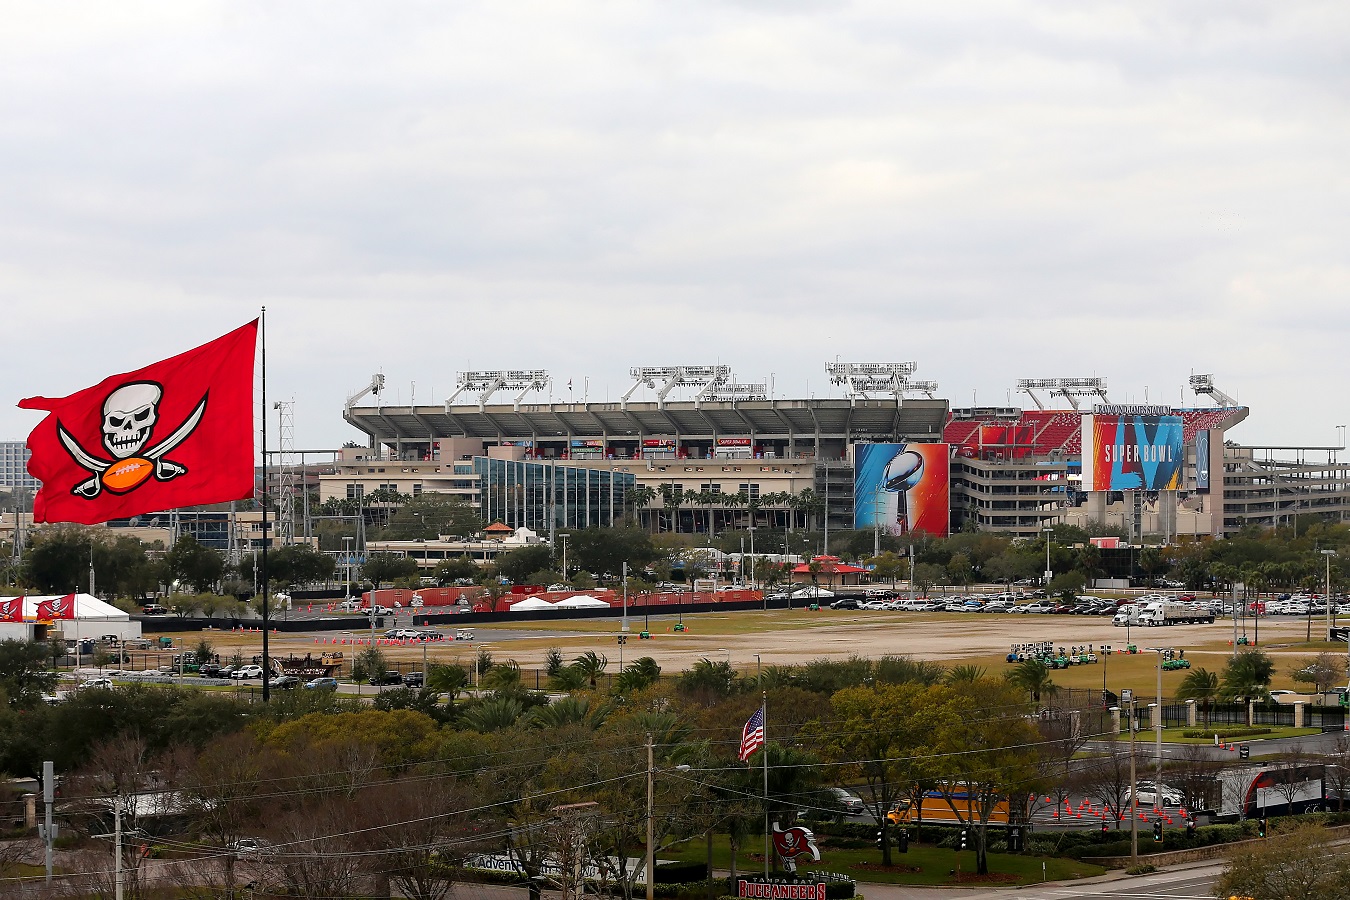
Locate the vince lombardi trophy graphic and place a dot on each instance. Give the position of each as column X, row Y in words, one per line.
column 903, row 472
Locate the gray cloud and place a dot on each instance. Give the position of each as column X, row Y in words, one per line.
column 996, row 190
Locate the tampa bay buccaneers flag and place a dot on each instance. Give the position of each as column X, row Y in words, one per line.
column 56, row 608
column 11, row 609
column 176, row 433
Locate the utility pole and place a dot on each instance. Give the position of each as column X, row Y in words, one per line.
column 48, row 798
column 117, row 846
column 1134, row 790
column 651, row 802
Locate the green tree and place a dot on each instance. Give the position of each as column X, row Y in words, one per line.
column 605, row 550
column 1033, row 676
column 1321, row 671
column 427, row 516
column 881, row 734
column 987, row 746
column 1247, row 675
column 1300, row 864
column 24, row 676
column 1202, row 686
column 592, row 665
column 522, row 562
column 386, row 567
column 451, row 570
column 190, row 563
column 298, row 564
column 57, row 561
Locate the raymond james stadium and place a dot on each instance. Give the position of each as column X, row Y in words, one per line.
column 887, row 453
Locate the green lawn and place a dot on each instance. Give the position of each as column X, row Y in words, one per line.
column 934, row 863
column 1174, row 735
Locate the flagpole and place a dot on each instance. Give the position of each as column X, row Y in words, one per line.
column 764, row 708
column 266, row 663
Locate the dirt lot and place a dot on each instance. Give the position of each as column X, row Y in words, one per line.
column 788, row 637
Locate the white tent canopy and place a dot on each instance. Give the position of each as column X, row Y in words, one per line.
column 581, row 601
column 531, row 604
column 93, row 619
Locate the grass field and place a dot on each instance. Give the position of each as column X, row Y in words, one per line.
column 786, row 637
column 934, row 864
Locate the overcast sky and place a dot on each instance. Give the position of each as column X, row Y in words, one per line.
column 996, row 190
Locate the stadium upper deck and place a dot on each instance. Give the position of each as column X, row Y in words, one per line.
column 781, row 424
column 1015, row 433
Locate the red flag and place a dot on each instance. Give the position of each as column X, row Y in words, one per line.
column 176, row 433
column 56, row 608
column 11, row 609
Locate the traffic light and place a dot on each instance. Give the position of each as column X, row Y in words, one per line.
column 1261, row 827
column 963, row 839
column 1190, row 828
column 1157, row 831
column 623, row 639
column 1104, row 827
column 903, row 841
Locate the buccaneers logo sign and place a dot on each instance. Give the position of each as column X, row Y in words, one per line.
column 129, row 417
column 148, row 441
column 794, row 842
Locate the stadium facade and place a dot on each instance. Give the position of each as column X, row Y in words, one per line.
column 878, row 456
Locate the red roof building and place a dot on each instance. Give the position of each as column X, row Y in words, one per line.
column 830, row 572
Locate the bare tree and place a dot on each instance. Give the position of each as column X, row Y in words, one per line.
column 1195, row 775
column 419, row 834
column 1337, row 763
column 1107, row 777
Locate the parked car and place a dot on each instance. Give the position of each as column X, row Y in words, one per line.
column 845, row 603
column 247, row 846
column 1148, row 797
column 96, row 683
column 414, row 679
column 321, row 683
column 390, row 677
column 851, row 803
column 285, row 682
column 244, row 672
column 464, row 634
column 209, row 670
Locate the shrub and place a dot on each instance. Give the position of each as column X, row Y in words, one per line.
column 1225, row 733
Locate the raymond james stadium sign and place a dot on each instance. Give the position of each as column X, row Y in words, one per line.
column 780, row 890
column 1130, row 409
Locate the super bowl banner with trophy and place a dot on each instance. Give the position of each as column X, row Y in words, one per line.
column 902, row 488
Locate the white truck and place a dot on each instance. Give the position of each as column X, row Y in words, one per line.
column 1127, row 615
column 1170, row 612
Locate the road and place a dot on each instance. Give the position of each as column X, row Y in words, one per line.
column 1182, row 883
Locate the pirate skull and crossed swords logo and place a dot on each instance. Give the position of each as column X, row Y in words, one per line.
column 130, row 414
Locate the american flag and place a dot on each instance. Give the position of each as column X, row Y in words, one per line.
column 752, row 735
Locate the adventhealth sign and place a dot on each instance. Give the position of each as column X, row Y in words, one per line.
column 780, row 890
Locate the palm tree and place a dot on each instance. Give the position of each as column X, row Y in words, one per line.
column 1202, row 685
column 965, row 673
column 570, row 711
column 1247, row 675
column 567, row 679
column 672, row 496
column 447, row 679
column 638, row 497
column 591, row 664
column 494, row 714
column 640, row 673
column 1033, row 676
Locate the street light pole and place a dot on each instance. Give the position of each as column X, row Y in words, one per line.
column 1328, row 554
column 1047, row 532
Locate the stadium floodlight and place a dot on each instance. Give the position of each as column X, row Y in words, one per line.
column 489, row 383
column 733, row 392
column 376, row 385
column 1204, row 384
column 865, row 379
column 1068, row 388
column 664, row 379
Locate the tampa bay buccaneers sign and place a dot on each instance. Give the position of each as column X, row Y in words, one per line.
column 175, row 433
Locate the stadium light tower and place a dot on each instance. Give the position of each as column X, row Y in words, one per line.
column 1204, row 384
column 866, row 379
column 376, row 385
column 488, row 383
column 1068, row 388
column 664, row 379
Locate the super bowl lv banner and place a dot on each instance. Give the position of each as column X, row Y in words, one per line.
column 902, row 487
column 176, row 433
column 1124, row 453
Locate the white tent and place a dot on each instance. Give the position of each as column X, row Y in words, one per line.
column 581, row 601
column 531, row 604
column 93, row 619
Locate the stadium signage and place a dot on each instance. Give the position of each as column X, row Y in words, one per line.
column 780, row 890
column 733, row 442
column 1129, row 409
column 1132, row 453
